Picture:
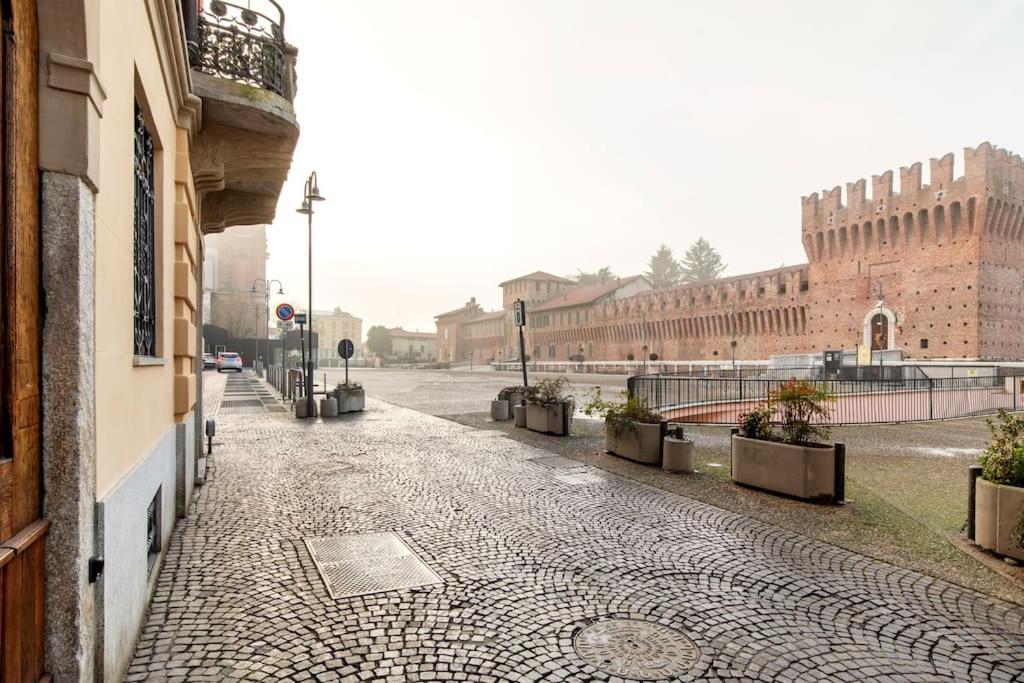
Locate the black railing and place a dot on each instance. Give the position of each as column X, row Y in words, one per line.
column 901, row 393
column 240, row 43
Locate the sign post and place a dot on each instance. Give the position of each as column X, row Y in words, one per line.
column 285, row 313
column 519, row 315
column 300, row 318
column 346, row 349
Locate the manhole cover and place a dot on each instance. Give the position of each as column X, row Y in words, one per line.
column 555, row 462
column 361, row 564
column 636, row 649
column 580, row 479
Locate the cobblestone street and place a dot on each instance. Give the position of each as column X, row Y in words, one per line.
column 536, row 568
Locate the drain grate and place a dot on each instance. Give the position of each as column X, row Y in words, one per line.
column 362, row 564
column 555, row 462
column 635, row 649
column 242, row 403
column 580, row 479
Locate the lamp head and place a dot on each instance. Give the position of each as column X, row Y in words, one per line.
column 314, row 194
column 305, row 208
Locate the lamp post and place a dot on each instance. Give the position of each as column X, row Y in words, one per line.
column 266, row 296
column 310, row 194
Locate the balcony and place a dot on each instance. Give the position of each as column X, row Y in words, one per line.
column 244, row 72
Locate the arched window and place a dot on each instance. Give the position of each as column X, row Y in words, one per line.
column 940, row 223
column 879, row 332
column 955, row 220
column 820, row 237
column 831, row 244
column 908, row 227
column 922, row 222
column 842, row 241
column 868, row 236
column 971, row 209
column 855, row 239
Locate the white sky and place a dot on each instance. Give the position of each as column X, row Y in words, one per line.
column 460, row 144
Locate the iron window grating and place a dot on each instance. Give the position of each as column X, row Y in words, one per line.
column 144, row 276
column 153, row 530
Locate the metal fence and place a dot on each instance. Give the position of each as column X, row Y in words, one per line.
column 864, row 395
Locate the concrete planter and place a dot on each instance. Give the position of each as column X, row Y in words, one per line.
column 328, row 407
column 549, row 419
column 301, row 408
column 641, row 443
column 997, row 508
column 499, row 411
column 519, row 415
column 678, row 455
column 799, row 471
column 351, row 400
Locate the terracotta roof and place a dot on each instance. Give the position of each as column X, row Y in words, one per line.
column 536, row 275
column 455, row 311
column 493, row 315
column 583, row 294
column 399, row 332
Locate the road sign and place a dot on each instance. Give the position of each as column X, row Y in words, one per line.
column 285, row 311
column 285, row 324
column 300, row 318
column 346, row 348
column 519, row 312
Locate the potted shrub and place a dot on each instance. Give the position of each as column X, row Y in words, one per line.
column 549, row 406
column 508, row 398
column 999, row 491
column 677, row 454
column 631, row 428
column 779, row 447
column 351, row 397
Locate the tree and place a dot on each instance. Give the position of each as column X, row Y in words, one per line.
column 663, row 269
column 701, row 262
column 585, row 278
column 378, row 340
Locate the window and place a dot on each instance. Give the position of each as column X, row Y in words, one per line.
column 144, row 264
column 153, row 530
column 924, row 343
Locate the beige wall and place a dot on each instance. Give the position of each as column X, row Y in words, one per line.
column 134, row 405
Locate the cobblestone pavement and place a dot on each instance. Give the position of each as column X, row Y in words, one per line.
column 530, row 551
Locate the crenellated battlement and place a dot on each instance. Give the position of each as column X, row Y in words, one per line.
column 986, row 168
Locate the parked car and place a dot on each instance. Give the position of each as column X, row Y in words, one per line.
column 209, row 361
column 229, row 360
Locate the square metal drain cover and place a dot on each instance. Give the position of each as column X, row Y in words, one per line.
column 361, row 564
column 555, row 462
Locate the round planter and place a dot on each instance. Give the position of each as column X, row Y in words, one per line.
column 329, row 407
column 678, row 455
column 499, row 411
column 519, row 415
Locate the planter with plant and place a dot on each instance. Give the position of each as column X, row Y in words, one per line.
column 999, row 492
column 779, row 445
column 549, row 406
column 678, row 455
column 351, row 397
column 508, row 398
column 631, row 428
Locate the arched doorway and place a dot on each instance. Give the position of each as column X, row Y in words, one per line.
column 879, row 332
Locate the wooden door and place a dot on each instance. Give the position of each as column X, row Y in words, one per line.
column 22, row 529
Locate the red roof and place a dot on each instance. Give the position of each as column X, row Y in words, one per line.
column 583, row 294
column 399, row 332
column 493, row 315
column 537, row 275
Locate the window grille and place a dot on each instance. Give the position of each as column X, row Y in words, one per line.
column 145, row 216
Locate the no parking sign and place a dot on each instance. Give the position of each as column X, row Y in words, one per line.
column 285, row 312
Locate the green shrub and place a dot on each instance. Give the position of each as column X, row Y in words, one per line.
column 757, row 424
column 621, row 416
column 1003, row 460
column 549, row 392
column 798, row 404
column 506, row 393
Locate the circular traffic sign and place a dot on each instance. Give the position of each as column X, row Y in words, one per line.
column 285, row 312
column 346, row 348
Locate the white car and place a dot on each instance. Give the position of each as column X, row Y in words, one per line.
column 209, row 361
column 229, row 360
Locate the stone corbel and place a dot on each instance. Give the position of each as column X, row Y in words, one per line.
column 75, row 75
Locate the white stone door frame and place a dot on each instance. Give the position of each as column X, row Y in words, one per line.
column 890, row 316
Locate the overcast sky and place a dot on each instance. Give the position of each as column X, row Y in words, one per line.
column 460, row 144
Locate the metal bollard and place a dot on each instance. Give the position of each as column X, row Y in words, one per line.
column 973, row 472
column 839, row 488
column 211, row 430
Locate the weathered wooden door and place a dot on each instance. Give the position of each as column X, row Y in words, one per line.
column 22, row 529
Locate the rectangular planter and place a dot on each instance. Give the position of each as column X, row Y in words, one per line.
column 548, row 419
column 997, row 508
column 642, row 444
column 799, row 471
column 351, row 401
column 499, row 410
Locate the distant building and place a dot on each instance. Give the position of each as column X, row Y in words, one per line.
column 449, row 348
column 413, row 347
column 232, row 261
column 332, row 327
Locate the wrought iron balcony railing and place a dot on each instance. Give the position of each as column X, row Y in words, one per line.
column 242, row 42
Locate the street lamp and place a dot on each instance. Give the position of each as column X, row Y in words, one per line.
column 310, row 194
column 266, row 291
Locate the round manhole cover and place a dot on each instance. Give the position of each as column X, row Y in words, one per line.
column 636, row 649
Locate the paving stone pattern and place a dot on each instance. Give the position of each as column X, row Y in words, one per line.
column 528, row 559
